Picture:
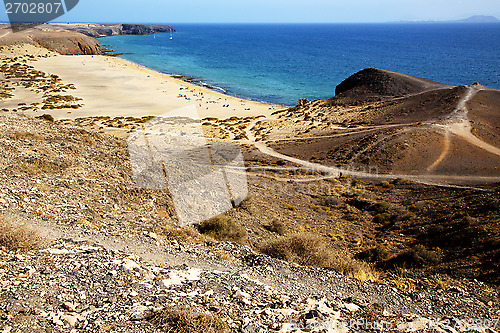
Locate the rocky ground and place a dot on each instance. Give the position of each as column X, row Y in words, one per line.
column 85, row 249
column 107, row 263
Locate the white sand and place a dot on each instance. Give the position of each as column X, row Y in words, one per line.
column 114, row 87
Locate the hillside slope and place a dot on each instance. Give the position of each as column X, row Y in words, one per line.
column 399, row 125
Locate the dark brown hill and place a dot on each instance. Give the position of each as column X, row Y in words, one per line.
column 374, row 84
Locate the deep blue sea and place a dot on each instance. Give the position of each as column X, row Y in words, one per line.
column 281, row 63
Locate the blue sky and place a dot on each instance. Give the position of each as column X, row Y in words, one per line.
column 274, row 11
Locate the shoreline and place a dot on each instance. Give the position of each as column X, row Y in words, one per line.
column 115, row 87
column 199, row 82
column 185, row 78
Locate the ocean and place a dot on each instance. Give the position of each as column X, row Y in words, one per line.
column 280, row 63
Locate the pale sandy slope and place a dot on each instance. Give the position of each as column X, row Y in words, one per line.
column 114, row 87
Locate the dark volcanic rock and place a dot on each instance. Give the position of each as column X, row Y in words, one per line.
column 380, row 83
column 303, row 101
column 103, row 30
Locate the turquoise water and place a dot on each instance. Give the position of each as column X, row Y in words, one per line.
column 282, row 63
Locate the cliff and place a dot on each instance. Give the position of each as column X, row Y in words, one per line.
column 103, row 30
column 76, row 39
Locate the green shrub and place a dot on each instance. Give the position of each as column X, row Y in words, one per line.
column 385, row 219
column 380, row 207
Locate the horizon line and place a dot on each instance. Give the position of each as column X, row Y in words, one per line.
column 297, row 23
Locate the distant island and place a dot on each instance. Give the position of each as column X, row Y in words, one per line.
column 479, row 19
column 472, row 19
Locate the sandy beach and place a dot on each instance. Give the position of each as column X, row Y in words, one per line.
column 114, row 87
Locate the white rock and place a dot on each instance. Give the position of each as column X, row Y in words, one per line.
column 56, row 251
column 243, row 297
column 351, row 307
column 285, row 328
column 71, row 320
column 325, row 309
column 139, row 312
column 130, row 265
column 179, row 277
column 208, row 293
column 386, row 313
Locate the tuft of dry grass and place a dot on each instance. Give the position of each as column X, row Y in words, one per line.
column 402, row 282
column 222, row 228
column 187, row 320
column 24, row 135
column 277, row 227
column 416, row 256
column 19, row 235
column 309, row 249
column 182, row 235
column 36, row 166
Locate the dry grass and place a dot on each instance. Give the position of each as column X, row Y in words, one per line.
column 36, row 166
column 222, row 228
column 182, row 235
column 277, row 227
column 309, row 249
column 186, row 320
column 18, row 235
column 401, row 281
column 17, row 135
column 416, row 256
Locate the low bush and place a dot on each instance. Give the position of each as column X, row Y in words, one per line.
column 385, row 219
column 222, row 228
column 374, row 254
column 417, row 256
column 312, row 250
column 186, row 320
column 18, row 235
column 276, row 227
column 178, row 234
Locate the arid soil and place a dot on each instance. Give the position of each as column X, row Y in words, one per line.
column 380, row 209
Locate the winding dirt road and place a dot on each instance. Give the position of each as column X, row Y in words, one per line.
column 458, row 124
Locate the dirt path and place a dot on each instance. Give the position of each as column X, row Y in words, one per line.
column 461, row 126
column 362, row 130
column 444, row 152
column 440, row 180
